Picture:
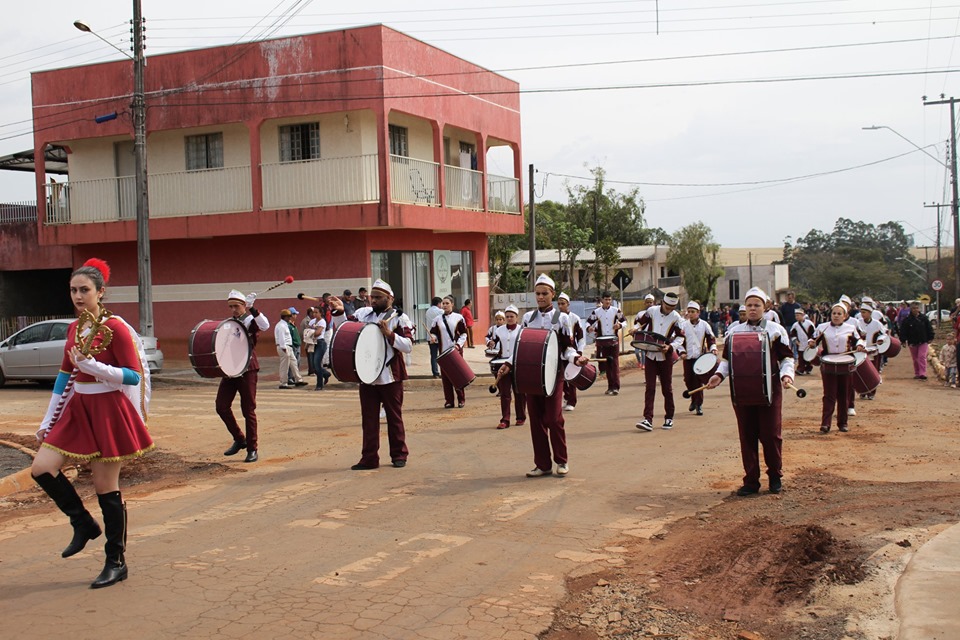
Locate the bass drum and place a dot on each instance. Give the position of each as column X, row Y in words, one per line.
column 456, row 369
column 358, row 352
column 219, row 349
column 751, row 369
column 536, row 362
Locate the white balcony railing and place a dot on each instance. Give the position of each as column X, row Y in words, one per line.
column 503, row 194
column 463, row 188
column 99, row 200
column 414, row 181
column 327, row 181
column 11, row 212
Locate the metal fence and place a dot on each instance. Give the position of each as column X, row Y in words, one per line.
column 12, row 212
column 10, row 325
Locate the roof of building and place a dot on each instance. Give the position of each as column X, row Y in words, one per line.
column 728, row 257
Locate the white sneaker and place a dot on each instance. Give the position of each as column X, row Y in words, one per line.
column 851, row 411
column 562, row 469
column 645, row 424
column 569, row 407
column 536, row 472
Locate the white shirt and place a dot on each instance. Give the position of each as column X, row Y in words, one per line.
column 401, row 343
column 281, row 334
column 870, row 330
column 803, row 332
column 601, row 320
column 506, row 339
column 582, row 340
column 451, row 320
column 775, row 332
column 263, row 323
column 837, row 338
column 695, row 336
column 656, row 321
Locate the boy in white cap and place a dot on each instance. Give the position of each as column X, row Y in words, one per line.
column 545, row 412
column 242, row 310
column 605, row 322
column 698, row 340
column 504, row 339
column 648, row 301
column 579, row 339
column 664, row 321
column 387, row 390
column 760, row 423
column 450, row 332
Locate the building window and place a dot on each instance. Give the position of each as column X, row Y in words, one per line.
column 204, row 151
column 734, row 290
column 300, row 142
column 398, row 141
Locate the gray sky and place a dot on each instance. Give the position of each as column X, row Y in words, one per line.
column 670, row 111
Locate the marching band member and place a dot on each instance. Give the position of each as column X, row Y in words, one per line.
column 648, row 301
column 450, row 330
column 664, row 320
column 545, row 412
column 499, row 318
column 579, row 340
column 606, row 321
column 698, row 339
column 241, row 308
column 801, row 332
column 387, row 390
column 760, row 425
column 836, row 336
column 871, row 329
column 96, row 414
column 850, row 318
column 505, row 339
column 769, row 314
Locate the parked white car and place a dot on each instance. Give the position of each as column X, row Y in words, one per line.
column 35, row 353
column 944, row 315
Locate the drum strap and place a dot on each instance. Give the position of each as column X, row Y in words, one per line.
column 449, row 331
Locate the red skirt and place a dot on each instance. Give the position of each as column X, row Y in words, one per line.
column 99, row 426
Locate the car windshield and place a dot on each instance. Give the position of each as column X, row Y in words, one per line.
column 58, row 331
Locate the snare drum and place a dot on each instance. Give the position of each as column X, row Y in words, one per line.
column 496, row 363
column 491, row 352
column 838, row 364
column 865, row 376
column 456, row 369
column 580, row 377
column 751, row 369
column 649, row 341
column 706, row 364
column 889, row 346
column 536, row 362
column 812, row 356
column 219, row 348
column 358, row 352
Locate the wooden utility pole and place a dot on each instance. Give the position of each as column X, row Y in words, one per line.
column 938, row 206
column 953, row 179
column 533, row 236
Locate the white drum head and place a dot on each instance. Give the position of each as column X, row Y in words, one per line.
column 859, row 357
column 838, row 358
column 810, row 354
column 232, row 348
column 883, row 344
column 551, row 361
column 500, row 361
column 371, row 352
column 571, row 371
column 704, row 364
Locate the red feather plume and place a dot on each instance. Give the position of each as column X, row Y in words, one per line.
column 101, row 266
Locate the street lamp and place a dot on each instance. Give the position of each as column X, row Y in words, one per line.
column 138, row 108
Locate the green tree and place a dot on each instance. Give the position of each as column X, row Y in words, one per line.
column 693, row 254
column 607, row 258
column 610, row 215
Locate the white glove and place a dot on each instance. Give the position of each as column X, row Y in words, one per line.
column 251, row 298
column 45, row 425
column 100, row 371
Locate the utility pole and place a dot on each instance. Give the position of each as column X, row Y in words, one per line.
column 939, row 231
column 596, row 242
column 139, row 109
column 750, row 267
column 533, row 236
column 953, row 178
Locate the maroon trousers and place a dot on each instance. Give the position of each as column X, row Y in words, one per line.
column 611, row 351
column 836, row 394
column 391, row 397
column 246, row 386
column 569, row 393
column 661, row 370
column 691, row 380
column 448, row 390
column 546, row 429
column 505, row 386
column 761, row 424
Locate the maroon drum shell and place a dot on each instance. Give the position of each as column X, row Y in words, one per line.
column 865, row 377
column 453, row 365
column 649, row 341
column 585, row 378
column 202, row 349
column 342, row 351
column 751, row 369
column 529, row 363
column 894, row 349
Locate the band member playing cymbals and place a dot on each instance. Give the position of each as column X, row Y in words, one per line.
column 579, row 340
column 546, row 412
column 698, row 340
column 836, row 337
column 242, row 309
column 664, row 321
column 605, row 322
column 760, row 423
column 450, row 331
column 387, row 390
column 504, row 339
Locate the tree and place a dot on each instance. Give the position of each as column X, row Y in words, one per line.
column 610, row 215
column 607, row 257
column 694, row 255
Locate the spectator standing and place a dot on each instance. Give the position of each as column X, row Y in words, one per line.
column 948, row 358
column 288, row 362
column 917, row 332
column 309, row 338
column 467, row 314
column 349, row 307
column 788, row 311
column 362, row 300
column 430, row 319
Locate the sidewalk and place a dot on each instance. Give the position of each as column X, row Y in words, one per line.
column 929, row 589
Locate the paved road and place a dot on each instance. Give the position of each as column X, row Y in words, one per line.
column 457, row 544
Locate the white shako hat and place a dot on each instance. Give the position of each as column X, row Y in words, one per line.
column 563, row 296
column 867, row 306
column 799, row 311
column 500, row 314
column 512, row 308
column 382, row 286
column 840, row 304
column 845, row 299
column 756, row 292
column 547, row 280
column 237, row 295
column 868, row 300
column 649, row 296
column 671, row 298
column 693, row 304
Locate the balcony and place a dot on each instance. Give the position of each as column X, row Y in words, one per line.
column 463, row 188
column 414, row 181
column 323, row 182
column 14, row 212
column 503, row 194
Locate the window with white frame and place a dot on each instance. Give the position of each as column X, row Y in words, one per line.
column 300, row 142
column 204, row 151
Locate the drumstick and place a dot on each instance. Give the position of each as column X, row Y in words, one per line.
column 689, row 392
column 500, row 374
column 801, row 393
column 286, row 280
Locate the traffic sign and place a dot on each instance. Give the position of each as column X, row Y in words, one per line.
column 936, row 285
column 924, row 298
column 622, row 280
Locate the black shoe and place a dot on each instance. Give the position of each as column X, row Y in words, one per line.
column 113, row 572
column 699, row 410
column 362, row 467
column 776, row 485
column 693, row 405
column 460, row 405
column 448, row 406
column 825, row 429
column 115, row 526
column 251, row 456
column 747, row 491
column 399, row 464
column 844, row 429
column 923, row 377
column 235, row 448
column 301, row 383
column 85, row 528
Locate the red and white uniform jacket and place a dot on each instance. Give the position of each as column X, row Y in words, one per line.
column 803, row 332
column 779, row 344
column 601, row 321
column 557, row 321
column 837, row 338
column 871, row 330
column 666, row 324
column 450, row 329
column 505, row 339
column 698, row 339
